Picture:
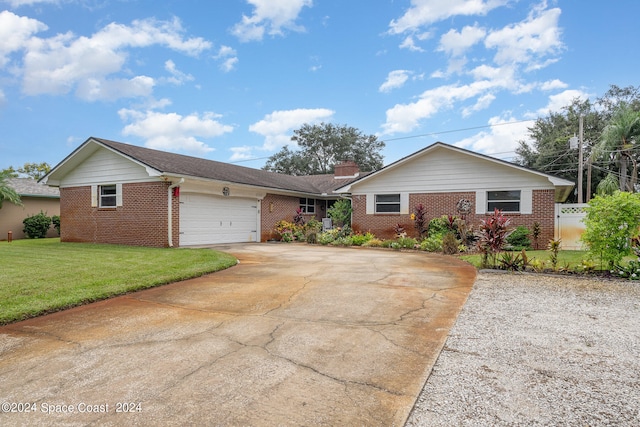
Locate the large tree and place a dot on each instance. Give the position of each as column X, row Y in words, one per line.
column 321, row 147
column 619, row 143
column 32, row 170
column 549, row 148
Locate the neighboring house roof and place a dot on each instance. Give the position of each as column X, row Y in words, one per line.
column 171, row 164
column 29, row 187
column 563, row 186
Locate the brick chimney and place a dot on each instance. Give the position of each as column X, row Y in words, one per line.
column 346, row 169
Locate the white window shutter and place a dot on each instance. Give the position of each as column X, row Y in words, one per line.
column 94, row 196
column 371, row 204
column 526, row 201
column 118, row 194
column 404, row 203
column 481, row 202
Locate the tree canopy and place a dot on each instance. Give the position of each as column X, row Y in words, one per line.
column 549, row 150
column 321, row 147
column 32, row 170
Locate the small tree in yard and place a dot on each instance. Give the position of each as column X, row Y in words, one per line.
column 340, row 212
column 611, row 223
column 492, row 236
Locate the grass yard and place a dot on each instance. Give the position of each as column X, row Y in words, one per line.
column 570, row 259
column 45, row 275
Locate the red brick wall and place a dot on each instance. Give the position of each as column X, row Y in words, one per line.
column 275, row 208
column 140, row 221
column 438, row 204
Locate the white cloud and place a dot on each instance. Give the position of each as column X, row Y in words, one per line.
column 277, row 127
column 17, row 3
column 500, row 140
column 65, row 62
column 560, row 100
column 173, row 132
column 553, row 85
column 241, row 153
column 426, row 12
column 270, row 17
column 406, row 117
column 529, row 41
column 229, row 57
column 395, row 79
column 15, row 33
column 177, row 76
column 457, row 43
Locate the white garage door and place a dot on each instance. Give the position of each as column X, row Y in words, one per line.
column 206, row 219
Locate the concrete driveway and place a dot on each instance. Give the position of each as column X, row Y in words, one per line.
column 293, row 335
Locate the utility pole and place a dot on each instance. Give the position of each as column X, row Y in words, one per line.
column 580, row 161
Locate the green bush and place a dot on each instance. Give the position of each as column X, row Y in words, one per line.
column 407, row 243
column 340, row 212
column 36, row 226
column 438, row 227
column 360, row 239
column 518, row 239
column 450, row 243
column 56, row 222
column 611, row 222
column 432, row 244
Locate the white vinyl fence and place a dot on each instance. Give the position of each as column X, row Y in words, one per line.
column 569, row 226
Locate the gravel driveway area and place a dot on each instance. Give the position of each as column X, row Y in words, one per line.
column 539, row 350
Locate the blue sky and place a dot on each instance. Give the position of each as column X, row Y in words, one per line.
column 230, row 80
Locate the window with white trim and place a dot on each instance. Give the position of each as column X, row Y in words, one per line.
column 506, row 201
column 388, row 203
column 108, row 196
column 307, row 205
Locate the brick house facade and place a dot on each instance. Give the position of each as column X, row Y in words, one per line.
column 439, row 204
column 213, row 202
column 142, row 219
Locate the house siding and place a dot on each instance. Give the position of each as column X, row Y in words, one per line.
column 11, row 216
column 438, row 204
column 140, row 221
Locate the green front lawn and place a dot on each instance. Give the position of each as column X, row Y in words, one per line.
column 572, row 260
column 45, row 275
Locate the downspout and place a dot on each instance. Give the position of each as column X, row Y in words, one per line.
column 170, row 213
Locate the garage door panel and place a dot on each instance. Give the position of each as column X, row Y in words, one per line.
column 206, row 219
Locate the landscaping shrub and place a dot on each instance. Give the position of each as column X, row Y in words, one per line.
column 438, row 226
column 611, row 222
column 450, row 243
column 340, row 212
column 56, row 222
column 518, row 239
column 360, row 239
column 432, row 244
column 492, row 235
column 373, row 243
column 418, row 216
column 36, row 226
column 407, row 243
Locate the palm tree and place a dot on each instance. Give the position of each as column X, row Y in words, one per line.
column 619, row 139
column 6, row 192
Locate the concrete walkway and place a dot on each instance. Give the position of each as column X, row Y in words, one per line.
column 293, row 335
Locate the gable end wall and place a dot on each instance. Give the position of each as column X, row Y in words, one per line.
column 140, row 221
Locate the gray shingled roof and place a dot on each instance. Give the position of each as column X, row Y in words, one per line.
column 178, row 164
column 29, row 187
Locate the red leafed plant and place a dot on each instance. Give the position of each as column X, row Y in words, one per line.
column 492, row 235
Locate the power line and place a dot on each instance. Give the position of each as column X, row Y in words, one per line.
column 459, row 130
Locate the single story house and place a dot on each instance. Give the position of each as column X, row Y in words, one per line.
column 113, row 192
column 35, row 197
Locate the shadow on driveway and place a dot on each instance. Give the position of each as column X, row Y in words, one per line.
column 293, row 335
